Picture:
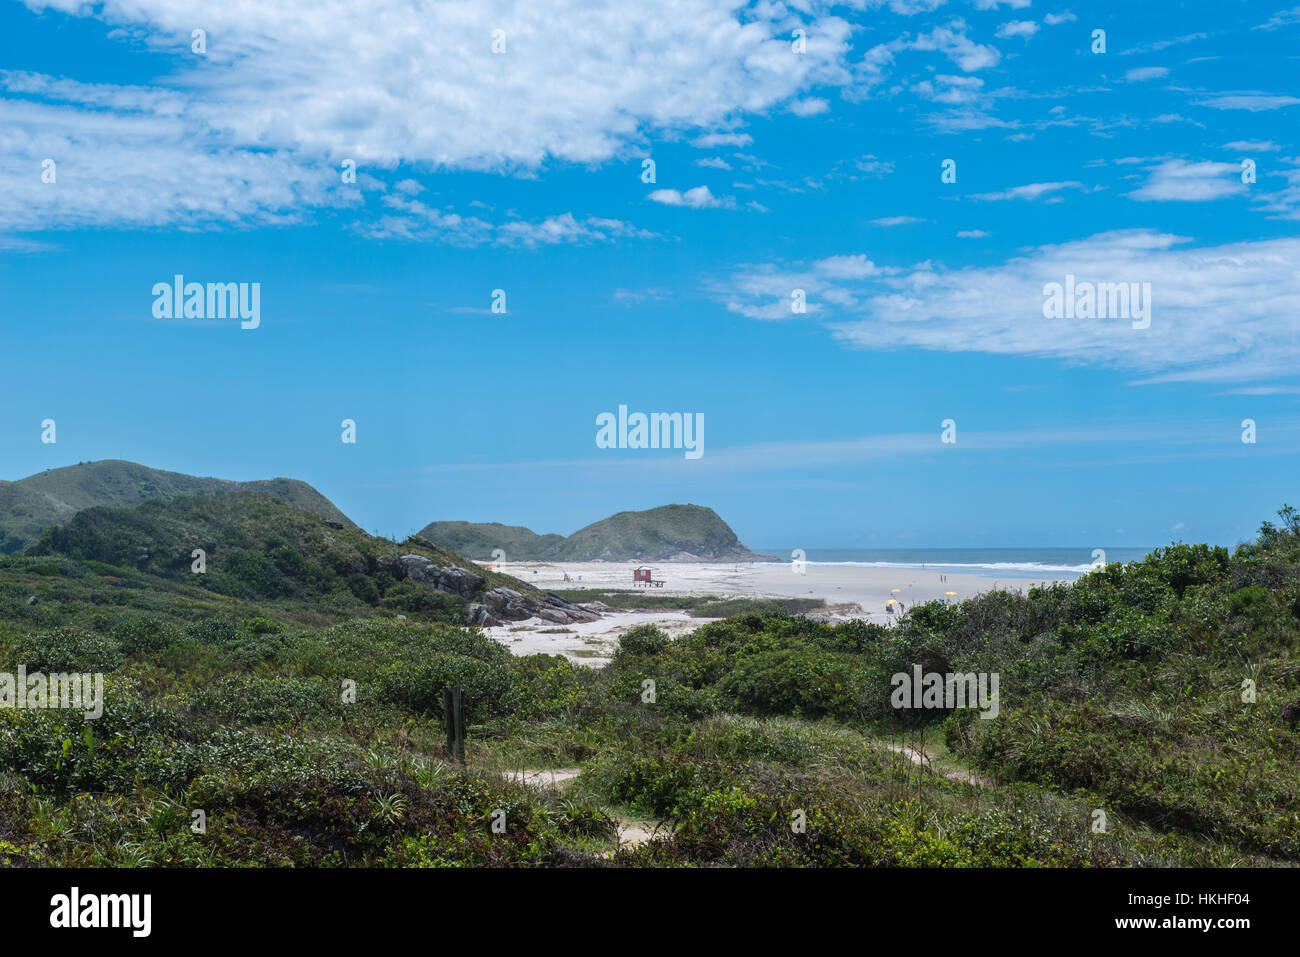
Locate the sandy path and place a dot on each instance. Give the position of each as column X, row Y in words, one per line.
column 587, row 642
column 630, row 832
column 542, row 778
column 923, row 759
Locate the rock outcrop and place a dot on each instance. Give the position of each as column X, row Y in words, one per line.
column 492, row 607
column 500, row 605
column 448, row 578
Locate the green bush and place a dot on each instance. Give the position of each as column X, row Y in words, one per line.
column 71, row 650
column 642, row 640
column 799, row 681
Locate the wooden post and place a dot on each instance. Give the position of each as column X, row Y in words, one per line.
column 453, row 710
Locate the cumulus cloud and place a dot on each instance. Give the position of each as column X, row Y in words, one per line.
column 713, row 140
column 256, row 129
column 1190, row 182
column 1018, row 28
column 953, row 90
column 959, row 48
column 698, row 198
column 1219, row 313
column 950, row 40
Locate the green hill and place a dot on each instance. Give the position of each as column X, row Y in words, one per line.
column 667, row 533
column 478, row 540
column 30, row 506
column 258, row 548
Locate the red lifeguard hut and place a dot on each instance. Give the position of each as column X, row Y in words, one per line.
column 642, row 576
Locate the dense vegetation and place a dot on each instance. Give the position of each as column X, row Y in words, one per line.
column 258, row 549
column 30, row 506
column 762, row 739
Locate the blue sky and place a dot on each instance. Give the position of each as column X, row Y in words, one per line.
column 774, row 171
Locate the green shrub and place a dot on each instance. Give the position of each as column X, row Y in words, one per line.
column 71, row 650
column 642, row 640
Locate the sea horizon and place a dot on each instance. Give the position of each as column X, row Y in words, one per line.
column 1010, row 561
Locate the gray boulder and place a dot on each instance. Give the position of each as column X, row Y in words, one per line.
column 481, row 616
column 448, row 578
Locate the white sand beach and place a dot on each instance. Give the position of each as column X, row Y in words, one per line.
column 849, row 591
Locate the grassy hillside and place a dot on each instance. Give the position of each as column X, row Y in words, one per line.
column 31, row 505
column 258, row 548
column 1122, row 693
column 654, row 535
column 477, row 540
column 670, row 532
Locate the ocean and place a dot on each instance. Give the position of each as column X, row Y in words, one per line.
column 1007, row 562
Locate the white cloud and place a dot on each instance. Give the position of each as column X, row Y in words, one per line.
column 1052, row 19
column 131, row 160
column 1018, row 28
column 713, row 140
column 972, row 234
column 1157, row 45
column 994, row 4
column 1281, row 19
column 410, row 220
column 634, row 297
column 1143, row 73
column 1029, row 191
column 872, row 166
column 953, row 90
column 950, row 40
column 896, row 220
column 698, row 198
column 1254, row 102
column 965, row 120
column 1285, row 203
column 1252, row 146
column 1221, row 313
column 254, row 131
column 1181, row 180
column 812, row 106
column 959, row 48
column 907, row 8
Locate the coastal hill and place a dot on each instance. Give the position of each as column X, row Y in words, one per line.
column 30, row 506
column 669, row 533
column 258, row 548
column 477, row 540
